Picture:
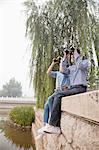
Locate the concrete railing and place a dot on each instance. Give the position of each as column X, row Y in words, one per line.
column 84, row 105
column 10, row 102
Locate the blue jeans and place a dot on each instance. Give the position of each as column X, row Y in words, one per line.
column 48, row 107
column 56, row 110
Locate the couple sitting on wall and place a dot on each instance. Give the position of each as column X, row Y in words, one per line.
column 70, row 80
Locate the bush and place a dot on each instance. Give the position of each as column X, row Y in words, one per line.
column 23, row 115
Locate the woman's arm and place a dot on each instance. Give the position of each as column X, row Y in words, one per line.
column 50, row 67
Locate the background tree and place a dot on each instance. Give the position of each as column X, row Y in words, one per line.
column 54, row 25
column 12, row 89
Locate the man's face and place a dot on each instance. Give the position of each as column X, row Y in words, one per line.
column 75, row 52
column 72, row 57
column 68, row 56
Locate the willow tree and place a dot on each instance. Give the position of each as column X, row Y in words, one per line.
column 50, row 27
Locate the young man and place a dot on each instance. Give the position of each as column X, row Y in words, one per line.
column 62, row 84
column 78, row 84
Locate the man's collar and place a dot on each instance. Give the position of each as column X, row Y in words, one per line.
column 77, row 58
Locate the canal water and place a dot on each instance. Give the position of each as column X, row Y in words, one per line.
column 13, row 139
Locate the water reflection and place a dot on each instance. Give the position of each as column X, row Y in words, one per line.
column 13, row 139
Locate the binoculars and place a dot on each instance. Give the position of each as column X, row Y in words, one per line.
column 69, row 50
column 58, row 59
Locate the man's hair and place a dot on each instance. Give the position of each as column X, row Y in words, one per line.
column 66, row 51
column 72, row 48
column 78, row 51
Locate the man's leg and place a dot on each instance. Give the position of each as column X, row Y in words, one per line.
column 54, row 123
column 56, row 110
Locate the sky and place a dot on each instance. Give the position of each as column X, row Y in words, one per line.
column 14, row 49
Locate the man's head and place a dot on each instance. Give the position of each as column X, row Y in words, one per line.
column 72, row 50
column 75, row 52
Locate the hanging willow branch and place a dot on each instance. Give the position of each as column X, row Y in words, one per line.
column 50, row 27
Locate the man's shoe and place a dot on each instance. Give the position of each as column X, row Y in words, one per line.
column 41, row 131
column 52, row 130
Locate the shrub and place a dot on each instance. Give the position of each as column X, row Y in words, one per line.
column 23, row 115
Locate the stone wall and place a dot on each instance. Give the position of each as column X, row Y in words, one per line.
column 78, row 132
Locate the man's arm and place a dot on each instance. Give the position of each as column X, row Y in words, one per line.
column 84, row 64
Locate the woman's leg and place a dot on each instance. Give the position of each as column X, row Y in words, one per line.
column 46, row 113
column 48, row 107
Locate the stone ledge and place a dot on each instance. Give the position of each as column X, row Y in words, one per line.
column 77, row 134
column 84, row 105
